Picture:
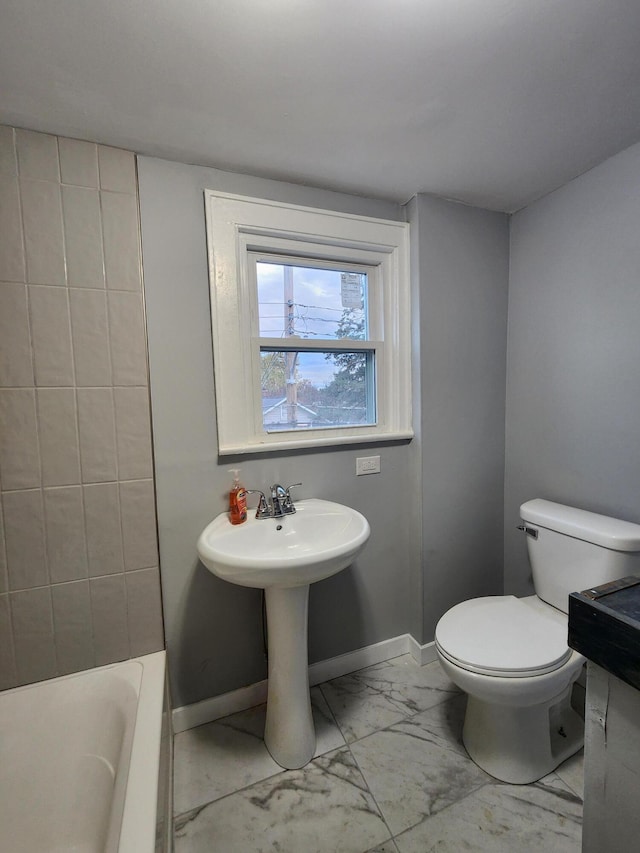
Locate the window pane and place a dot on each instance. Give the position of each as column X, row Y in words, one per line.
column 315, row 390
column 311, row 302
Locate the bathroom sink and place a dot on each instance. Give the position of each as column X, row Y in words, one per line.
column 284, row 556
column 318, row 540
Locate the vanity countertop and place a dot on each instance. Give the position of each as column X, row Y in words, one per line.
column 604, row 626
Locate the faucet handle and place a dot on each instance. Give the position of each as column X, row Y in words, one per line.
column 288, row 502
column 262, row 510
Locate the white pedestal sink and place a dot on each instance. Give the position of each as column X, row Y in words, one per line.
column 284, row 556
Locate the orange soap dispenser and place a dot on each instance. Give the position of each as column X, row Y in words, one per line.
column 237, row 500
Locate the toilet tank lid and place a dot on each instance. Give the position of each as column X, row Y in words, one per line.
column 612, row 533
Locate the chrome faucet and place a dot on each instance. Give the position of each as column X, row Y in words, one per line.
column 278, row 499
column 279, row 502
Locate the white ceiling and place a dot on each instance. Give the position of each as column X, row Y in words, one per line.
column 492, row 102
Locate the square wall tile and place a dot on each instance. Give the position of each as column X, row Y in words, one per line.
column 19, row 453
column 66, row 543
column 78, row 162
column 83, row 237
column 137, row 505
column 51, row 335
column 8, row 161
column 109, row 615
column 96, row 419
column 44, row 244
column 133, row 432
column 25, row 542
column 34, row 644
column 127, row 339
column 104, row 533
column 90, row 334
column 58, row 432
column 8, row 676
column 73, row 626
column 121, row 241
column 12, row 259
column 79, row 583
column 37, row 155
column 144, row 611
column 117, row 169
column 16, row 364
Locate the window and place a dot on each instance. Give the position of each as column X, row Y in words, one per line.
column 318, row 351
column 310, row 313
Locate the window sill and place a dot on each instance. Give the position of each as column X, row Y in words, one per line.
column 328, row 441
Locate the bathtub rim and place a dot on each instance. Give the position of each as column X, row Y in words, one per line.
column 138, row 830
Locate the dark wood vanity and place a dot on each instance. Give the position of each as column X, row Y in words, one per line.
column 604, row 626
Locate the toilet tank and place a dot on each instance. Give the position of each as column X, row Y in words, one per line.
column 575, row 549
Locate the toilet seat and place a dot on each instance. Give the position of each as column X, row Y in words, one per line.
column 502, row 636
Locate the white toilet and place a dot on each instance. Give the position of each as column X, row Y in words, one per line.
column 510, row 655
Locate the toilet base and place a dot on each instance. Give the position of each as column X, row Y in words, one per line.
column 522, row 744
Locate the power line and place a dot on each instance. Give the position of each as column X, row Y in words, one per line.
column 315, row 307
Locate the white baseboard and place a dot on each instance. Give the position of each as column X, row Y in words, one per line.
column 422, row 655
column 325, row 670
column 199, row 713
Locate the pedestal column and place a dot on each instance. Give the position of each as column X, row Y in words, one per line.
column 289, row 733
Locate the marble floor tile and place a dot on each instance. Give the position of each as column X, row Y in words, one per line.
column 388, row 847
column 328, row 734
column 404, row 774
column 418, row 766
column 374, row 698
column 219, row 758
column 501, row 818
column 323, row 808
column 572, row 773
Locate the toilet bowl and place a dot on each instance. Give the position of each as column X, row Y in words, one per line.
column 510, row 655
column 511, row 658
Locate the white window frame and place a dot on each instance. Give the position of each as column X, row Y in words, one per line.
column 237, row 225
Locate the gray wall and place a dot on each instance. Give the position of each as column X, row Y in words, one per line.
column 214, row 628
column 79, row 582
column 463, row 267
column 573, row 391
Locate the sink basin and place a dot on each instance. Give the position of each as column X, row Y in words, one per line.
column 318, row 540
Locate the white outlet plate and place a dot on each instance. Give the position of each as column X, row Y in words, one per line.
column 367, row 465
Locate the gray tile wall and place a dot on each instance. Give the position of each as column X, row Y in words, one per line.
column 79, row 580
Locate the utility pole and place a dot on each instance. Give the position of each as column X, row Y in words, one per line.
column 290, row 358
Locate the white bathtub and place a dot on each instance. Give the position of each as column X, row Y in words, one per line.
column 80, row 761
